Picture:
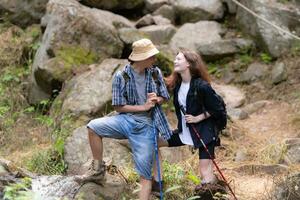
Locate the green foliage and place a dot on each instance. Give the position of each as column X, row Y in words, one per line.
column 48, row 162
column 295, row 50
column 19, row 191
column 266, row 58
column 193, row 178
column 246, row 59
column 173, row 174
column 165, row 63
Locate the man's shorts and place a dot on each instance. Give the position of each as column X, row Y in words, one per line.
column 175, row 141
column 140, row 136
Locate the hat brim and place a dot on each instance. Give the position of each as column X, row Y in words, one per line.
column 143, row 56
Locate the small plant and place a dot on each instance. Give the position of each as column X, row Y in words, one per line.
column 246, row 59
column 19, row 191
column 266, row 58
column 47, row 162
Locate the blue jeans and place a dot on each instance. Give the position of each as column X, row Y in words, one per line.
column 140, row 135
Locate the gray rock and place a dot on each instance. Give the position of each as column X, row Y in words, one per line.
column 232, row 7
column 279, row 73
column 148, row 20
column 237, row 113
column 23, row 13
column 196, row 10
column 159, row 34
column 221, row 48
column 88, row 93
column 166, row 11
column 254, row 169
column 287, row 189
column 293, row 151
column 130, row 35
column 227, row 76
column 267, row 37
column 3, row 170
column 111, row 190
column 233, row 96
column 254, row 72
column 240, row 156
column 71, row 27
column 113, row 5
column 152, row 5
column 78, row 153
column 191, row 36
column 253, row 107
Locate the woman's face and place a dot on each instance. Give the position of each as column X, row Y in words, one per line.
column 180, row 63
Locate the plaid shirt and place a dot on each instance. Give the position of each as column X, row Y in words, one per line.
column 126, row 94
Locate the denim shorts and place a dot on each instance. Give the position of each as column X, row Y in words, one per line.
column 140, row 135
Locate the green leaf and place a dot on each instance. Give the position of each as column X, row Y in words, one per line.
column 175, row 187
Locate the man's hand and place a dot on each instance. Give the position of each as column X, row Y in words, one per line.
column 151, row 101
column 154, row 98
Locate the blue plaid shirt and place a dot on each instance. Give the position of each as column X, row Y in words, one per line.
column 126, row 94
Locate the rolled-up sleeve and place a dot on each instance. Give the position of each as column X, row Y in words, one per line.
column 118, row 89
column 162, row 91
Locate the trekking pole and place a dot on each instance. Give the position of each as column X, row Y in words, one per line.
column 205, row 147
column 158, row 165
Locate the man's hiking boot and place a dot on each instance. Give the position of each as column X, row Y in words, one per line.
column 155, row 187
column 95, row 173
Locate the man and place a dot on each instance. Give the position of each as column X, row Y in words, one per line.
column 138, row 90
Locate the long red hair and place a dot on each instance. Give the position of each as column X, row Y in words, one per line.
column 197, row 68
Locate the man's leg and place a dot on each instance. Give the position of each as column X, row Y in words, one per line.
column 145, row 189
column 96, row 145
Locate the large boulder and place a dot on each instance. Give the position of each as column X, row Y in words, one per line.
column 166, row 11
column 90, row 92
column 267, row 37
column 191, row 36
column 292, row 151
column 23, row 13
column 78, row 153
column 74, row 35
column 196, row 10
column 159, row 34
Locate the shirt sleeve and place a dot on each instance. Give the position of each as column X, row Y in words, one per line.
column 162, row 90
column 118, row 89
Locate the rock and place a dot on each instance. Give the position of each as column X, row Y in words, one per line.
column 152, row 5
column 78, row 153
column 232, row 7
column 253, row 107
column 166, row 11
column 23, row 13
column 111, row 190
column 227, row 76
column 254, row 169
column 130, row 35
column 236, row 113
column 182, row 153
column 159, row 34
column 233, row 96
column 254, row 72
column 287, row 189
column 292, row 151
column 191, row 36
column 221, row 48
column 54, row 187
column 267, row 37
column 113, row 5
column 3, row 170
column 279, row 73
column 240, row 156
column 70, row 27
column 148, row 20
column 88, row 93
column 193, row 11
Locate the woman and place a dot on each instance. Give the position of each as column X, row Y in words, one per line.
column 190, row 83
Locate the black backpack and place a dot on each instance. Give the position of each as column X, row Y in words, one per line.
column 221, row 120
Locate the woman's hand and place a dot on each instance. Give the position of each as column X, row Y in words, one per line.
column 193, row 119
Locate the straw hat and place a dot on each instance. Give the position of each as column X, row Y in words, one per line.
column 142, row 49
